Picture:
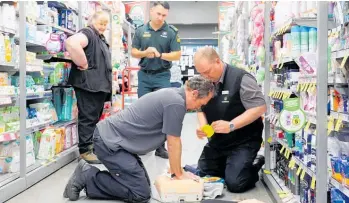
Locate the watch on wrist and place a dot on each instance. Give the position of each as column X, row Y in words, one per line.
column 231, row 126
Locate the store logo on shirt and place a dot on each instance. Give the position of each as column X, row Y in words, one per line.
column 164, row 34
column 146, row 34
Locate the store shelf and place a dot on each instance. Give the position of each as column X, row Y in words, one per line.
column 284, row 60
column 8, row 136
column 305, row 21
column 39, row 95
column 7, row 30
column 340, row 53
column 339, row 186
column 43, row 22
column 8, row 67
column 297, row 160
column 48, row 168
column 7, row 178
column 50, row 58
column 280, row 192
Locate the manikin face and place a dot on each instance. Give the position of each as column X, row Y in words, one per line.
column 100, row 23
column 209, row 69
column 194, row 103
column 158, row 14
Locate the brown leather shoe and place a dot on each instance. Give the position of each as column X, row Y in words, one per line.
column 90, row 158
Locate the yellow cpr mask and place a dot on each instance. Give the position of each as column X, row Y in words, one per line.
column 208, row 130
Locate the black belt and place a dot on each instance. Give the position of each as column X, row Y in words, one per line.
column 154, row 71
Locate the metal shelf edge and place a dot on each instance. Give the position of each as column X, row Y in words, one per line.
column 12, row 189
column 273, row 187
column 339, row 186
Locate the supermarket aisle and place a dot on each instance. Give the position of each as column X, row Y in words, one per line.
column 52, row 187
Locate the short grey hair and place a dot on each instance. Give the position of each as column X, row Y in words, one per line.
column 95, row 16
column 202, row 85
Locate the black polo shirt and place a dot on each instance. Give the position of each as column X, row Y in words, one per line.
column 98, row 76
column 165, row 40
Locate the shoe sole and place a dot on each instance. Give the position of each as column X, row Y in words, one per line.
column 79, row 167
column 156, row 154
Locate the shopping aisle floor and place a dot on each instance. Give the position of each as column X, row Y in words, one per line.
column 52, row 187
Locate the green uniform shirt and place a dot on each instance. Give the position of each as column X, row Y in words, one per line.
column 165, row 40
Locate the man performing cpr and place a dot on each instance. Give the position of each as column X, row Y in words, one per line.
column 139, row 129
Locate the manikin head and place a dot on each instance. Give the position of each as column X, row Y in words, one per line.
column 159, row 12
column 99, row 20
column 198, row 91
column 208, row 63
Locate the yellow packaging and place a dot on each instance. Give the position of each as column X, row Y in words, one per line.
column 208, row 130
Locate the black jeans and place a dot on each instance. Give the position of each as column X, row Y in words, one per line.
column 90, row 106
column 235, row 165
column 126, row 178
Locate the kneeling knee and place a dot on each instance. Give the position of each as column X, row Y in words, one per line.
column 142, row 197
column 238, row 186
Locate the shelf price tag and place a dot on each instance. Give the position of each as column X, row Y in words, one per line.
column 303, row 174
column 288, row 154
column 312, row 185
column 344, row 61
column 330, row 125
column 338, row 124
column 270, row 139
column 282, row 149
column 298, row 87
column 306, row 128
column 299, row 170
column 314, row 88
column 285, row 154
column 5, row 100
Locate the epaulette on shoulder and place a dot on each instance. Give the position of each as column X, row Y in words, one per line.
column 174, row 28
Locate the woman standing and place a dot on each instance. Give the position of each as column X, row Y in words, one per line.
column 91, row 77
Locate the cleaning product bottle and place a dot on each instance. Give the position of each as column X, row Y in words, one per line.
column 296, row 40
column 304, row 39
column 312, row 39
column 2, row 48
column 8, row 51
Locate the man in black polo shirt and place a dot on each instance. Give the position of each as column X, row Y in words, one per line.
column 235, row 115
column 156, row 44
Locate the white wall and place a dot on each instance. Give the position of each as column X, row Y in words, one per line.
column 193, row 12
column 197, row 31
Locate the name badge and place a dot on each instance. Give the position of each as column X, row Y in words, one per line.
column 146, row 34
column 225, row 98
column 225, row 92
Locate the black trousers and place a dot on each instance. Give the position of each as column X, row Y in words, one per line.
column 90, row 106
column 126, row 180
column 235, row 165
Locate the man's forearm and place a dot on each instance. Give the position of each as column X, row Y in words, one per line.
column 249, row 116
column 77, row 54
column 138, row 54
column 175, row 153
column 202, row 119
column 173, row 56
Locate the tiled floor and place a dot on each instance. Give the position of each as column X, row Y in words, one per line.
column 51, row 188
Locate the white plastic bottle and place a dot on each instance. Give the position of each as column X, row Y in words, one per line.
column 2, row 48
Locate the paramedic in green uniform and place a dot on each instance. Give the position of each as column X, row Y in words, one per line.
column 156, row 44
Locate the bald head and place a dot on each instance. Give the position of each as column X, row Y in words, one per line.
column 208, row 63
column 206, row 53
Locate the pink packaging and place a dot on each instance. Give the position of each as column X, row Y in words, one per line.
column 74, row 135
column 68, row 137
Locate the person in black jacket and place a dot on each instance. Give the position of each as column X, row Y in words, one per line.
column 235, row 115
column 91, row 77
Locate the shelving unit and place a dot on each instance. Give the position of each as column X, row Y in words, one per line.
column 12, row 183
column 277, row 89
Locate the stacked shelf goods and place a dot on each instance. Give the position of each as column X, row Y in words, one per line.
column 38, row 111
column 312, row 72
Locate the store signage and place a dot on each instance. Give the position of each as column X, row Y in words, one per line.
column 136, row 11
column 292, row 117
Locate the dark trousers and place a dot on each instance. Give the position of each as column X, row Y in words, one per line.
column 176, row 84
column 148, row 82
column 234, row 166
column 90, row 106
column 126, row 178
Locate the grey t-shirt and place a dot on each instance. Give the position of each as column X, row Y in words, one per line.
column 143, row 126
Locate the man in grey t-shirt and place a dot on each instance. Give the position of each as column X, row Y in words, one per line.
column 139, row 129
